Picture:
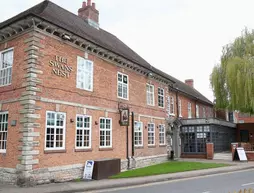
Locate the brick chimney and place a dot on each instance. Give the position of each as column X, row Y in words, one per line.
column 190, row 82
column 89, row 13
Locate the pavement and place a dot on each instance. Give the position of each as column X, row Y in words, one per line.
column 83, row 186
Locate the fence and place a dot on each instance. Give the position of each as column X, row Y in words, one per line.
column 244, row 191
column 247, row 146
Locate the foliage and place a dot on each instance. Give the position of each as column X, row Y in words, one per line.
column 233, row 79
column 167, row 167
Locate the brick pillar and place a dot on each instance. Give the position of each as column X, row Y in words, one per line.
column 233, row 147
column 209, row 151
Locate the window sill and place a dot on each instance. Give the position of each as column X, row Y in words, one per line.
column 139, row 147
column 172, row 115
column 151, row 105
column 123, row 98
column 151, row 146
column 180, row 116
column 106, row 149
column 161, row 107
column 54, row 151
column 164, row 145
column 84, row 150
column 5, row 85
column 85, row 89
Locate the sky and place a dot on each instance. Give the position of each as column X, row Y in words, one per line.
column 183, row 38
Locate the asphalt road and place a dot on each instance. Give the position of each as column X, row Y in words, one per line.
column 221, row 183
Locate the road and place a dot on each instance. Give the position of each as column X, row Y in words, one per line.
column 218, row 183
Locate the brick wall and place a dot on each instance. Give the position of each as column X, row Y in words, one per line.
column 60, row 94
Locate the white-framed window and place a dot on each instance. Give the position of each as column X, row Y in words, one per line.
column 3, row 131
column 122, row 86
column 172, row 105
column 151, row 134
column 189, row 110
column 161, row 97
column 204, row 114
column 105, row 132
column 150, row 94
column 55, row 130
column 83, row 131
column 162, row 135
column 6, row 63
column 180, row 107
column 84, row 74
column 197, row 111
column 138, row 133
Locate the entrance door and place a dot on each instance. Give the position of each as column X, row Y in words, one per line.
column 244, row 135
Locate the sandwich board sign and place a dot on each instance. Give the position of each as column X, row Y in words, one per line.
column 88, row 170
column 240, row 154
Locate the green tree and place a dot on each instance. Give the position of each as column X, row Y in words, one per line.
column 232, row 80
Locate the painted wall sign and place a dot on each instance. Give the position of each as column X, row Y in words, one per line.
column 60, row 67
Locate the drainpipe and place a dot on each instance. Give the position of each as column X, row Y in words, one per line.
column 132, row 139
column 127, row 147
column 177, row 102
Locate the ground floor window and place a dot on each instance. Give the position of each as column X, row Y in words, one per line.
column 3, row 131
column 138, row 133
column 151, row 134
column 105, row 132
column 83, row 131
column 162, row 134
column 55, row 130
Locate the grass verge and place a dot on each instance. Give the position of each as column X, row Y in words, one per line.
column 165, row 168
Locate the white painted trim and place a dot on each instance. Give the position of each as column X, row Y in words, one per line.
column 64, row 132
column 1, row 113
column 78, row 105
column 163, row 97
column 163, row 133
column 1, row 52
column 111, row 133
column 153, row 134
column 123, row 83
column 149, row 84
column 142, row 134
column 90, row 133
column 151, row 117
column 189, row 110
column 92, row 63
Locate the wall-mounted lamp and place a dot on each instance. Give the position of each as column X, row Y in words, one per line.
column 96, row 122
column 13, row 122
column 66, row 37
column 150, row 74
column 145, row 127
column 71, row 120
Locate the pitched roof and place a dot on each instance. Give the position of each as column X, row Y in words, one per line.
column 56, row 15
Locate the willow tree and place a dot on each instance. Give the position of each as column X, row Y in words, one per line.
column 233, row 79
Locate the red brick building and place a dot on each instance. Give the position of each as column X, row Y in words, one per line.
column 62, row 82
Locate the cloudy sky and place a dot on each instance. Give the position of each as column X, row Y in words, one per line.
column 181, row 37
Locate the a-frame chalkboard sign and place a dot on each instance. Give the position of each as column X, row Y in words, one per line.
column 240, row 154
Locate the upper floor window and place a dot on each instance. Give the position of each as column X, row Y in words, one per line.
column 85, row 74
column 180, row 107
column 189, row 110
column 161, row 97
column 83, row 131
column 138, row 133
column 171, row 106
column 204, row 114
column 150, row 94
column 122, row 86
column 55, row 130
column 197, row 111
column 3, row 131
column 6, row 62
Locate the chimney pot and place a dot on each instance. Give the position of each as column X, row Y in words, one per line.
column 190, row 82
column 88, row 2
column 93, row 5
column 84, row 4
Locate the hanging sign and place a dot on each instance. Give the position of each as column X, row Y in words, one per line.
column 124, row 117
